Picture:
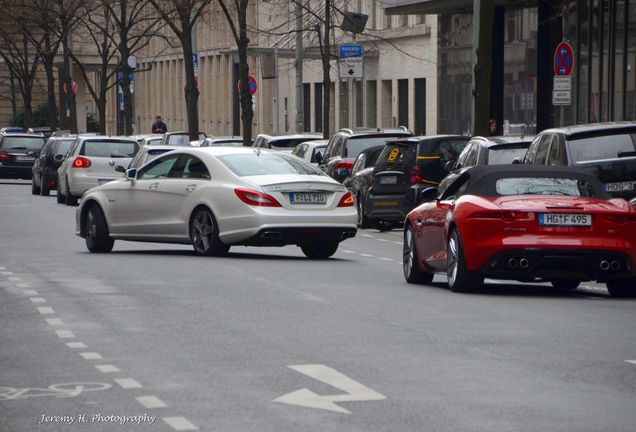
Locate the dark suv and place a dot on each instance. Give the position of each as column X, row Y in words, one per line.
column 46, row 165
column 345, row 146
column 18, row 151
column 403, row 169
column 606, row 150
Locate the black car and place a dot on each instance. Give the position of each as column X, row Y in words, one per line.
column 606, row 150
column 345, row 146
column 45, row 166
column 18, row 151
column 361, row 177
column 405, row 168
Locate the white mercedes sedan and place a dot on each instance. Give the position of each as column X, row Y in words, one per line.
column 217, row 197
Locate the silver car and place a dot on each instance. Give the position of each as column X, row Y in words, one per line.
column 92, row 161
column 216, row 197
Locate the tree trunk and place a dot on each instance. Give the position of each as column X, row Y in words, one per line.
column 48, row 59
column 245, row 95
column 69, row 98
column 191, row 90
column 124, row 82
column 14, row 107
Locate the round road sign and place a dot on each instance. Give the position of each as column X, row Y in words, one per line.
column 563, row 59
column 73, row 87
column 252, row 83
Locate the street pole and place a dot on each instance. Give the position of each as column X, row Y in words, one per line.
column 276, row 92
column 299, row 66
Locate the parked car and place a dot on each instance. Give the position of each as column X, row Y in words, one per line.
column 404, row 168
column 283, row 142
column 361, row 178
column 45, row 166
column 311, row 151
column 525, row 223
column 148, row 153
column 147, row 139
column 228, row 141
column 18, row 152
column 346, row 144
column 606, row 150
column 91, row 161
column 12, row 129
column 45, row 131
column 181, row 138
column 217, row 197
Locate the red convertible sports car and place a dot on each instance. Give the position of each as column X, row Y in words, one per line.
column 525, row 223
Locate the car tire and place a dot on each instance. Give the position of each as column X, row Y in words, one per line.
column 412, row 272
column 319, row 250
column 363, row 220
column 204, row 234
column 34, row 189
column 70, row 199
column 383, row 226
column 565, row 285
column 625, row 288
column 61, row 199
column 459, row 278
column 45, row 190
column 96, row 231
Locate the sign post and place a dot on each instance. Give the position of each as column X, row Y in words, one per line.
column 562, row 81
column 351, row 69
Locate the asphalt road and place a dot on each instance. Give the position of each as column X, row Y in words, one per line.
column 154, row 338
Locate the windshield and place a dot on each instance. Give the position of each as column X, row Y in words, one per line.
column 601, row 147
column 253, row 164
column 498, row 155
column 110, row 149
column 288, row 142
column 356, row 145
column 396, row 156
column 544, row 186
column 22, row 143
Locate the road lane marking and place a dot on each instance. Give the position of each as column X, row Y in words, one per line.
column 366, row 235
column 366, row 255
column 23, row 285
column 54, row 322
column 46, row 310
column 30, row 293
column 3, row 268
column 6, row 273
column 397, row 243
column 347, row 251
column 353, row 390
column 631, row 362
column 179, row 423
column 91, row 356
column 64, row 334
column 14, row 279
column 385, row 259
column 128, row 383
column 151, row 402
column 107, row 368
column 76, row 345
column 37, row 300
column 382, row 240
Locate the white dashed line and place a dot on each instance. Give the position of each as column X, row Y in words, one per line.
column 385, row 259
column 45, row 310
column 91, row 356
column 76, row 345
column 366, row 235
column 107, row 368
column 37, row 300
column 179, row 423
column 30, row 293
column 14, row 279
column 54, row 322
column 23, row 285
column 3, row 268
column 382, row 240
column 6, row 273
column 366, row 255
column 397, row 243
column 128, row 383
column 64, row 334
column 631, row 362
column 347, row 251
column 151, row 402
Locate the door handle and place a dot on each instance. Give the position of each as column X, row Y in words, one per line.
column 190, row 188
column 153, row 186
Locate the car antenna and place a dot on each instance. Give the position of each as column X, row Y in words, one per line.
column 523, row 131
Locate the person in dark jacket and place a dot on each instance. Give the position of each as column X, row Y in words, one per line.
column 159, row 127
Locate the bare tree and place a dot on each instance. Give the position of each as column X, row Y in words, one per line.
column 181, row 16
column 236, row 17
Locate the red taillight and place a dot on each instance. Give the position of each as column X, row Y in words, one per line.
column 4, row 156
column 346, row 200
column 343, row 167
column 507, row 216
column 256, row 198
column 619, row 219
column 52, row 183
column 81, row 162
column 416, row 175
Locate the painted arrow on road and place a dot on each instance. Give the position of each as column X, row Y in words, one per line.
column 354, row 391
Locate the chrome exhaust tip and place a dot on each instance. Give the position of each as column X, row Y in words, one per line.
column 604, row 265
column 615, row 265
column 513, row 263
column 524, row 263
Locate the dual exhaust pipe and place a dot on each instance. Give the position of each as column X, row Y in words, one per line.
column 523, row 263
column 607, row 265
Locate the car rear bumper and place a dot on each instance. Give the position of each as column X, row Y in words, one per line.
column 281, row 236
column 12, row 171
column 389, row 207
column 80, row 183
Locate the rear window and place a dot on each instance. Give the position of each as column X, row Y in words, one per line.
column 499, row 155
column 61, row 147
column 544, row 186
column 22, row 143
column 183, row 139
column 224, row 143
column 601, row 147
column 288, row 142
column 355, row 145
column 254, row 164
column 109, row 149
column 396, row 156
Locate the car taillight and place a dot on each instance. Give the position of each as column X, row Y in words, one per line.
column 4, row 156
column 81, row 162
column 52, row 183
column 416, row 175
column 507, row 216
column 256, row 198
column 343, row 167
column 346, row 200
column 619, row 219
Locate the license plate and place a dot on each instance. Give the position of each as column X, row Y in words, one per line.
column 619, row 186
column 565, row 219
column 388, row 179
column 103, row 181
column 24, row 158
column 307, row 198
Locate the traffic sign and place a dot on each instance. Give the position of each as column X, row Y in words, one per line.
column 351, row 67
column 73, row 87
column 252, row 83
column 195, row 62
column 563, row 59
column 350, row 51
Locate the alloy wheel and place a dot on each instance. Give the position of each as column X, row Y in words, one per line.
column 452, row 259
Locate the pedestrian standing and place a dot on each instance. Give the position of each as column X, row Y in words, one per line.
column 492, row 127
column 158, row 126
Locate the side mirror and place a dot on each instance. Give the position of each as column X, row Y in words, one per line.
column 120, row 169
column 33, row 154
column 450, row 165
column 517, row 161
column 131, row 174
column 58, row 158
column 428, row 194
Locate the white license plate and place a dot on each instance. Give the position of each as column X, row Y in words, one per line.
column 103, row 181
column 619, row 186
column 388, row 179
column 565, row 219
column 24, row 158
column 307, row 198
